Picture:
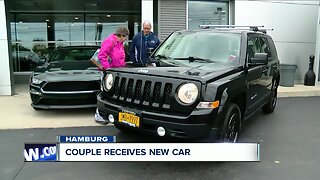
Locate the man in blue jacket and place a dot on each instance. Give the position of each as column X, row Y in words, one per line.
column 142, row 43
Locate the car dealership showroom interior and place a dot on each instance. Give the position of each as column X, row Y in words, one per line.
column 231, row 92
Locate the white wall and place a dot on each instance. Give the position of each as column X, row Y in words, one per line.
column 5, row 79
column 317, row 54
column 295, row 28
column 147, row 11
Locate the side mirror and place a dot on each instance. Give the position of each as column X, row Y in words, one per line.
column 42, row 61
column 39, row 69
column 258, row 59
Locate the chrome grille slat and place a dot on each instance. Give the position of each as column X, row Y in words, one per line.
column 146, row 93
column 123, row 88
column 167, row 94
column 157, row 94
column 138, row 92
column 116, row 87
column 142, row 92
column 130, row 90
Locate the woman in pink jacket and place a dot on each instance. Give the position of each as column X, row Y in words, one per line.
column 112, row 53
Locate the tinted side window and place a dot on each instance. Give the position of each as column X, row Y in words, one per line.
column 273, row 50
column 265, row 46
column 252, row 47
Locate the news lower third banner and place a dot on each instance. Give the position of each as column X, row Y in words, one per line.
column 159, row 152
column 105, row 148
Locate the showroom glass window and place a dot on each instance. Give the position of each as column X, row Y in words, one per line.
column 33, row 41
column 28, row 39
column 38, row 28
column 207, row 12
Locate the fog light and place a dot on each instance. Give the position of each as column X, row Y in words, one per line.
column 161, row 131
column 99, row 119
column 111, row 118
column 34, row 91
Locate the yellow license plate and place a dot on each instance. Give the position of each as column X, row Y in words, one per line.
column 129, row 119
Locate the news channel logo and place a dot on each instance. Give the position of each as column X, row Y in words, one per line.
column 40, row 152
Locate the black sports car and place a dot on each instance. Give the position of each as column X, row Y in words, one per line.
column 68, row 79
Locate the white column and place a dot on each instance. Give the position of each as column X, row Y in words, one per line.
column 317, row 52
column 295, row 37
column 5, row 78
column 147, row 11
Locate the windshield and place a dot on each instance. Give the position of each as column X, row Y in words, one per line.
column 72, row 54
column 192, row 48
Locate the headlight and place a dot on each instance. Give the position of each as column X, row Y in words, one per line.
column 188, row 93
column 36, row 81
column 108, row 82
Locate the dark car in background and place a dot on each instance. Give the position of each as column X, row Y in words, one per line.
column 25, row 60
column 66, row 80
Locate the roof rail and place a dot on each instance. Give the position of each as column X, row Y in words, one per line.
column 237, row 27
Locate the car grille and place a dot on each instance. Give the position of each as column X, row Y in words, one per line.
column 142, row 92
column 72, row 86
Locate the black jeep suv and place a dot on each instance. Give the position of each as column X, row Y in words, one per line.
column 207, row 80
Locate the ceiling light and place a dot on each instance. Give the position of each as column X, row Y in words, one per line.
column 91, row 5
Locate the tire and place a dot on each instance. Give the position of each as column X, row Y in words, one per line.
column 272, row 102
column 232, row 124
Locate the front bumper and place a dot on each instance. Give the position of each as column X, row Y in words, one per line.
column 196, row 125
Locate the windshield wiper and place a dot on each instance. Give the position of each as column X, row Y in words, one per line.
column 157, row 58
column 192, row 58
column 160, row 56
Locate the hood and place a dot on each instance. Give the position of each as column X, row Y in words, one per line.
column 200, row 73
column 80, row 71
column 69, row 65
